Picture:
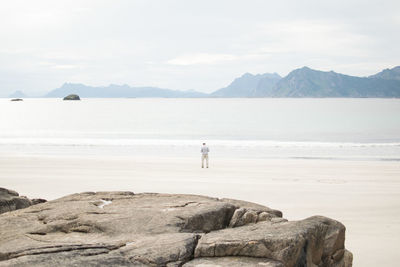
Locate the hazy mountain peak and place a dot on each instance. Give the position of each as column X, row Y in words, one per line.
column 248, row 85
column 69, row 84
column 271, row 75
column 388, row 74
column 306, row 82
column 260, row 75
column 247, row 74
column 303, row 69
column 17, row 94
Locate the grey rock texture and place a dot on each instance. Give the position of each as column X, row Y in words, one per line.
column 37, row 201
column 233, row 262
column 127, row 229
column 10, row 200
column 316, row 241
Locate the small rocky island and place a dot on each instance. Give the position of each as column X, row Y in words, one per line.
column 149, row 229
column 72, row 97
column 17, row 99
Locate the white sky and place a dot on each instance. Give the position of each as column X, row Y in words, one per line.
column 184, row 44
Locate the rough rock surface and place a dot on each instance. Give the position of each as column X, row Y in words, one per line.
column 10, row 200
column 127, row 229
column 232, row 262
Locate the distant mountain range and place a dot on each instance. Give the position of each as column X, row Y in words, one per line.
column 303, row 82
column 306, row 82
column 119, row 91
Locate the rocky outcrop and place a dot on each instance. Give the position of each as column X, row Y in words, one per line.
column 17, row 99
column 72, row 97
column 127, row 229
column 316, row 241
column 11, row 200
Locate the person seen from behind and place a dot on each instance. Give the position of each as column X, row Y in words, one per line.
column 204, row 154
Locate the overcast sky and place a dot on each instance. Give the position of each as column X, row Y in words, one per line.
column 201, row 45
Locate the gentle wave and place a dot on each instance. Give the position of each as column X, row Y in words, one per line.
column 172, row 142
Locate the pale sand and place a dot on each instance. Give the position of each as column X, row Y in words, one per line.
column 364, row 195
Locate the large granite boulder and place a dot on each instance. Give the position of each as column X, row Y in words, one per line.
column 72, row 97
column 127, row 229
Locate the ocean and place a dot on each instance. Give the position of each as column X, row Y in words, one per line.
column 332, row 128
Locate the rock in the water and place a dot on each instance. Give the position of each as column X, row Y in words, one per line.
column 126, row 229
column 11, row 200
column 17, row 99
column 72, row 97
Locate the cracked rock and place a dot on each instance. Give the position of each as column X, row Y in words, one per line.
column 164, row 230
column 232, row 262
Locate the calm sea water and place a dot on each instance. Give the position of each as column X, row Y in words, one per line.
column 356, row 129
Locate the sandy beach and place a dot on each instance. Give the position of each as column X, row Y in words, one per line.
column 364, row 195
column 296, row 102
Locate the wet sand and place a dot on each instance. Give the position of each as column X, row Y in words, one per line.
column 364, row 195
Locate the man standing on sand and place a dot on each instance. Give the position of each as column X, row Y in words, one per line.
column 204, row 154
